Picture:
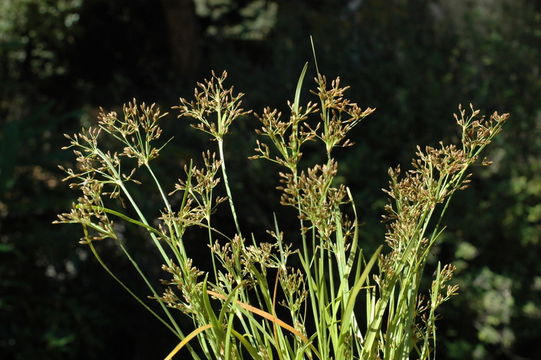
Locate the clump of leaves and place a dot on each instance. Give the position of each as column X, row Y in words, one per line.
column 234, row 306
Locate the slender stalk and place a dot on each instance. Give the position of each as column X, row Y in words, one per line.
column 149, row 285
column 227, row 187
column 175, row 331
column 168, row 206
column 143, row 219
column 209, row 234
column 152, row 235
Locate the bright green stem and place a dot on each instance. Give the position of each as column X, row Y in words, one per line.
column 175, row 331
column 227, row 188
column 144, row 221
column 168, row 206
column 209, row 231
column 149, row 285
column 154, row 238
column 134, row 205
column 164, row 198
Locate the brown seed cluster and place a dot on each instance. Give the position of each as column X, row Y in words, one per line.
column 286, row 136
column 436, row 174
column 311, row 191
column 186, row 280
column 136, row 129
column 338, row 114
column 211, row 99
column 315, row 197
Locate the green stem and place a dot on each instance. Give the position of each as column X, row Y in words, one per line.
column 176, row 330
column 227, row 187
column 120, row 183
column 144, row 221
column 149, row 285
column 209, row 232
column 168, row 206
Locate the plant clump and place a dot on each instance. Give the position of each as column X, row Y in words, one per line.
column 286, row 298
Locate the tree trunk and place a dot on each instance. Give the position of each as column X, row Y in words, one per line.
column 184, row 36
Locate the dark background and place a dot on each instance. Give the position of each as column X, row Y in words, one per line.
column 415, row 61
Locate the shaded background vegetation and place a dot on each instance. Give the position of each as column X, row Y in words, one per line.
column 413, row 60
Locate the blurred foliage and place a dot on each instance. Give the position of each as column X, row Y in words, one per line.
column 414, row 60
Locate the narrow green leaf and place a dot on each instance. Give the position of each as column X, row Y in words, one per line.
column 228, row 336
column 314, row 53
column 253, row 352
column 186, row 340
column 128, row 219
column 125, row 287
column 216, row 326
column 355, row 291
column 299, row 88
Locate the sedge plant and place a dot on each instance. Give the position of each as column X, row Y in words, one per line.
column 316, row 295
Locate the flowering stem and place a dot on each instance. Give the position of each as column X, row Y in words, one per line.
column 175, row 330
column 168, row 206
column 120, row 183
column 227, row 188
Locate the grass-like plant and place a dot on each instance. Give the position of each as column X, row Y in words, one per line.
column 337, row 302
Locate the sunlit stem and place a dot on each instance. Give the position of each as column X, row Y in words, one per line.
column 149, row 285
column 120, row 183
column 175, row 331
column 209, row 231
column 168, row 206
column 227, row 187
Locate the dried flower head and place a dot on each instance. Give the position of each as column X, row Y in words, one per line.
column 89, row 212
column 478, row 131
column 286, row 136
column 185, row 279
column 315, row 197
column 338, row 114
column 213, row 100
column 137, row 129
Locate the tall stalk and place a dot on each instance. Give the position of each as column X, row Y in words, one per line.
column 227, row 187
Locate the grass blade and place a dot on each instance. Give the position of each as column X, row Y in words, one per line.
column 187, row 339
column 355, row 291
column 299, row 88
